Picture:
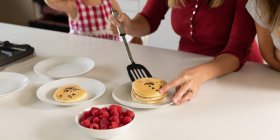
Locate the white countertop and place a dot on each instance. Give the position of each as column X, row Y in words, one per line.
column 244, row 105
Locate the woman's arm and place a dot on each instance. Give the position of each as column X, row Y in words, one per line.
column 267, row 48
column 230, row 59
column 191, row 79
column 67, row 6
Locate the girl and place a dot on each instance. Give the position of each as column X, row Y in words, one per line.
column 266, row 14
column 87, row 17
column 219, row 28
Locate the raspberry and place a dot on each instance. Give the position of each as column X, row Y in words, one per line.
column 126, row 120
column 85, row 123
column 115, row 119
column 94, row 126
column 119, row 108
column 94, row 112
column 104, row 114
column 114, row 113
column 104, row 121
column 86, row 114
column 114, row 125
column 96, row 120
column 113, row 107
column 129, row 113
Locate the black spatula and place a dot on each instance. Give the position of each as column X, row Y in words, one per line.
column 135, row 71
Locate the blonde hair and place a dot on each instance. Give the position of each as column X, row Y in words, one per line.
column 270, row 9
column 180, row 3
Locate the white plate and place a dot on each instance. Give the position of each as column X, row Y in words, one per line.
column 122, row 95
column 93, row 87
column 12, row 82
column 61, row 67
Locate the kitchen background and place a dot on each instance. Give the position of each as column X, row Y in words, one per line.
column 34, row 13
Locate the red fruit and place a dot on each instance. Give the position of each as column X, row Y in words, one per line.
column 96, row 120
column 90, row 119
column 103, row 127
column 85, row 123
column 86, row 114
column 104, row 121
column 119, row 108
column 129, row 113
column 94, row 126
column 115, row 113
column 104, row 114
column 104, row 108
column 126, row 120
column 95, row 112
column 115, row 119
column 114, row 125
column 113, row 107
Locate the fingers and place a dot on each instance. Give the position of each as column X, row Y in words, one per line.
column 173, row 84
column 123, row 20
column 182, row 92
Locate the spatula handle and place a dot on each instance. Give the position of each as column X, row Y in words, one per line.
column 120, row 29
column 122, row 34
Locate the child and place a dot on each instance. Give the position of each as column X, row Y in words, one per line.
column 266, row 14
column 87, row 17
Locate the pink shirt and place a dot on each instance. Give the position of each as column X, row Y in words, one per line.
column 209, row 31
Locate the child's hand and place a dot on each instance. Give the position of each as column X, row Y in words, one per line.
column 116, row 23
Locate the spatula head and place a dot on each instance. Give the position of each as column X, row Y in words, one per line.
column 136, row 71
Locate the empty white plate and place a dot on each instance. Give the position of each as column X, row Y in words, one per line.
column 93, row 87
column 122, row 95
column 11, row 82
column 61, row 67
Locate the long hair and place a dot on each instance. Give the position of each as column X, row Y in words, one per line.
column 180, row 3
column 270, row 9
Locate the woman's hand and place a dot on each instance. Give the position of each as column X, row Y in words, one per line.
column 187, row 85
column 123, row 20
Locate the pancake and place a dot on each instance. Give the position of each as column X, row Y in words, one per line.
column 69, row 94
column 145, row 90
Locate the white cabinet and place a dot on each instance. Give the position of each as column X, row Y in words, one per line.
column 164, row 37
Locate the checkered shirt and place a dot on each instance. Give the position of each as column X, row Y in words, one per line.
column 92, row 20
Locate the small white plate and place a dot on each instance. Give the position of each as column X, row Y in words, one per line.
column 11, row 83
column 61, row 67
column 93, row 87
column 122, row 95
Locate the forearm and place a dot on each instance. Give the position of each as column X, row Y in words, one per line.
column 270, row 56
column 221, row 65
column 139, row 26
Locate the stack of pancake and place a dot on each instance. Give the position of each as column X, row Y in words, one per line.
column 145, row 90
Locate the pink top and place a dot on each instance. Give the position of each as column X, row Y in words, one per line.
column 92, row 20
column 226, row 29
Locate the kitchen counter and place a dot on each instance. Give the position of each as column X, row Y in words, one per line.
column 244, row 105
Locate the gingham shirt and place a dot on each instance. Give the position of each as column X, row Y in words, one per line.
column 92, row 20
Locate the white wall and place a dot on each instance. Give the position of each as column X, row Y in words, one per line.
column 16, row 11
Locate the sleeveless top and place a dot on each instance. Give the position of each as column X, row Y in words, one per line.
column 256, row 13
column 92, row 20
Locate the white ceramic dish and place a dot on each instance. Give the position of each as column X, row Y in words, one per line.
column 104, row 133
column 93, row 87
column 61, row 67
column 122, row 95
column 11, row 83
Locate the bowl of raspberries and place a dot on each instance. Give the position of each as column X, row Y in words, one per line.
column 105, row 121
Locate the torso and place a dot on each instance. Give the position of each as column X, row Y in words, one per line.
column 256, row 14
column 92, row 20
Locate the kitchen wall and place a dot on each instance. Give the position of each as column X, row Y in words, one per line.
column 16, row 11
